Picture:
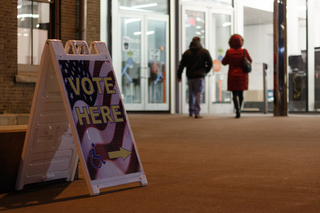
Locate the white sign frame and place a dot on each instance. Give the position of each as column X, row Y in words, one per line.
column 87, row 83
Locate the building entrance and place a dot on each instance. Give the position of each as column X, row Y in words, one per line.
column 214, row 27
column 144, row 61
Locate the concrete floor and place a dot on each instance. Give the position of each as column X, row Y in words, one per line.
column 258, row 163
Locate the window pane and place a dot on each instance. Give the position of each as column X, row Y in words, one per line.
column 131, row 60
column 33, row 27
column 24, row 31
column 220, row 35
column 297, row 45
column 258, row 40
column 158, row 6
column 316, row 30
column 194, row 26
column 156, row 34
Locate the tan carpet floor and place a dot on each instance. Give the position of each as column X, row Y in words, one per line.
column 258, row 163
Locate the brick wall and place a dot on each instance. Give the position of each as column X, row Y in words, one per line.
column 17, row 97
column 93, row 21
column 67, row 20
column 14, row 97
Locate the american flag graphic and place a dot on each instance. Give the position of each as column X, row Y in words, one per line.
column 104, row 138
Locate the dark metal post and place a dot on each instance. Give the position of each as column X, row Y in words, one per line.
column 307, row 57
column 265, row 89
column 83, row 14
column 280, row 55
column 109, row 27
column 177, row 57
column 31, row 33
column 54, row 31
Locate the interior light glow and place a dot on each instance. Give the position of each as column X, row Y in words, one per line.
column 198, row 33
column 131, row 20
column 150, row 32
column 28, row 16
column 198, row 27
column 145, row 5
column 225, row 24
column 302, row 8
column 137, row 33
column 132, row 9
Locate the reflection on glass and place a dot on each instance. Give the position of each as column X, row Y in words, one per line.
column 131, row 60
column 317, row 77
column 194, row 23
column 260, row 49
column 194, row 26
column 316, row 29
column 154, row 6
column 297, row 63
column 297, row 82
column 221, row 32
column 33, row 27
column 216, row 2
column 156, row 33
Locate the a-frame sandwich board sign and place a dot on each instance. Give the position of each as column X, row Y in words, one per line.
column 77, row 108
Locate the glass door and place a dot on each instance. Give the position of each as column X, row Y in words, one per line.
column 297, row 57
column 131, row 62
column 214, row 27
column 157, row 62
column 194, row 23
column 144, row 58
column 258, row 36
column 220, row 32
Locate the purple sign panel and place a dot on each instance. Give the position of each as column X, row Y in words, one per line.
column 100, row 119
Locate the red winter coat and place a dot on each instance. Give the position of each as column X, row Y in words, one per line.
column 237, row 79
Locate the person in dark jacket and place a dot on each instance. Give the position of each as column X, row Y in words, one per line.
column 237, row 79
column 198, row 62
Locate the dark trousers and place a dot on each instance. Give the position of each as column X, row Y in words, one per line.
column 238, row 93
column 196, row 87
column 237, row 101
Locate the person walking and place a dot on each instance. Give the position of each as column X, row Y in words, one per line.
column 237, row 79
column 198, row 62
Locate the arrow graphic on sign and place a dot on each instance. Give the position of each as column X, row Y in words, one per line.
column 122, row 153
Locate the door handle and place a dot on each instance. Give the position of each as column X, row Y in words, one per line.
column 143, row 74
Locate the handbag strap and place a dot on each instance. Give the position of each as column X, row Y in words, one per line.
column 244, row 54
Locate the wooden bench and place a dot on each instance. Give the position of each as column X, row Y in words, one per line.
column 11, row 145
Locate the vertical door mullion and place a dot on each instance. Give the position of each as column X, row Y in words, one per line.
column 143, row 63
column 206, row 103
column 167, row 74
column 211, row 48
column 183, row 41
column 143, row 69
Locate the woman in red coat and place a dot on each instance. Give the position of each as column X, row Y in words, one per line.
column 237, row 79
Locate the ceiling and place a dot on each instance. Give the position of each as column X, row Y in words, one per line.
column 256, row 17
